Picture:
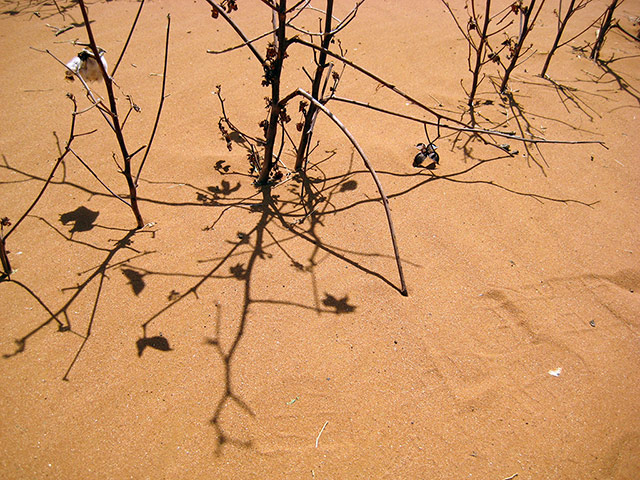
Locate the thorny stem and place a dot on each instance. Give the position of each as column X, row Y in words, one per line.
column 315, row 88
column 113, row 110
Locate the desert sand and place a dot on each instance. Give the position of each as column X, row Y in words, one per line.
column 238, row 335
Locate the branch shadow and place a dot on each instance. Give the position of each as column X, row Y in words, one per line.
column 247, row 249
column 97, row 274
column 43, row 9
column 623, row 84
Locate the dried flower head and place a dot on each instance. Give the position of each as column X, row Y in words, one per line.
column 272, row 51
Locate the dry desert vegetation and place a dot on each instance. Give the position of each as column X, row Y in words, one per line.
column 320, row 239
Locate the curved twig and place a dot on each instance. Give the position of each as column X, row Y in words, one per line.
column 385, row 201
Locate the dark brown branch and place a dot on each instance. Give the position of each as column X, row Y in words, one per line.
column 629, row 34
column 480, row 53
column 604, row 28
column 113, row 108
column 465, row 129
column 67, row 149
column 378, row 79
column 307, row 132
column 4, row 257
column 243, row 44
column 527, row 26
column 273, row 72
column 95, row 175
column 562, row 24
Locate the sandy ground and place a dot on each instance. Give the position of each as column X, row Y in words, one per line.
column 219, row 343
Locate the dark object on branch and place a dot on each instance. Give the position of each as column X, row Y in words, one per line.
column 4, row 259
column 427, row 152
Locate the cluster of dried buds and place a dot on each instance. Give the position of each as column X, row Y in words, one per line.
column 517, row 7
column 284, row 117
column 5, row 222
column 275, row 174
column 229, row 5
column 270, row 61
column 264, row 124
column 225, row 134
column 510, row 43
column 272, row 51
column 302, row 108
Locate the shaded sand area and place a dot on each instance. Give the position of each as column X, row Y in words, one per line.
column 242, row 334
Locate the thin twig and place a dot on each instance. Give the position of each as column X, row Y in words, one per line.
column 67, row 149
column 466, row 129
column 376, row 78
column 98, row 178
column 321, row 430
column 237, row 30
column 243, row 44
column 113, row 109
column 162, row 97
column 126, row 43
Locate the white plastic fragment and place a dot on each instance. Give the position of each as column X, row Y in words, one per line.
column 86, row 66
column 556, row 372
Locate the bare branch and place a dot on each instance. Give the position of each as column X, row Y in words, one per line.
column 160, row 104
column 67, row 149
column 237, row 29
column 385, row 201
column 98, row 178
column 376, row 78
column 126, row 43
column 244, row 44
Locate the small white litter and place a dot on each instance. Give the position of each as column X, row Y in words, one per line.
column 556, row 372
column 86, row 66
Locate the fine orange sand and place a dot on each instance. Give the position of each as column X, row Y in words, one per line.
column 218, row 342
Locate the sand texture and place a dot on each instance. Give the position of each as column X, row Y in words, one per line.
column 254, row 333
